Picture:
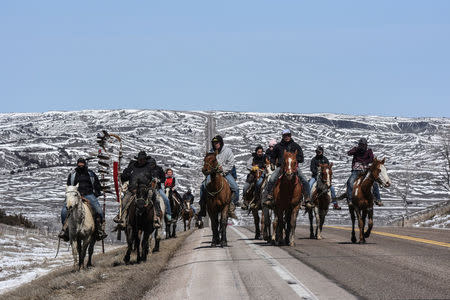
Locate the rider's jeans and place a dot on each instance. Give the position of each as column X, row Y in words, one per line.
column 333, row 192
column 166, row 202
column 276, row 173
column 247, row 185
column 351, row 181
column 94, row 203
column 233, row 186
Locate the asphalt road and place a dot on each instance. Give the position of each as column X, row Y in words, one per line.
column 401, row 266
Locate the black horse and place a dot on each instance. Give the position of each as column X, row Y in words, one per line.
column 140, row 220
column 175, row 210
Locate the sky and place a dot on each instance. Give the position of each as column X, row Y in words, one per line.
column 389, row 58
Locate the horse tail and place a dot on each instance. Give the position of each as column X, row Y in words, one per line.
column 57, row 250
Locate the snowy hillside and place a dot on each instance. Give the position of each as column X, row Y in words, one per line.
column 37, row 151
column 411, row 148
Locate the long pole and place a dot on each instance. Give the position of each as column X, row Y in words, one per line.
column 104, row 213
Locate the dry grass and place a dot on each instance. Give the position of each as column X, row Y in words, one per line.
column 109, row 279
column 15, row 220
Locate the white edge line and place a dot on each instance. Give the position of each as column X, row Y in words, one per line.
column 295, row 284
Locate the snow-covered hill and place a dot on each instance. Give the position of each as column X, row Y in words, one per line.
column 37, row 151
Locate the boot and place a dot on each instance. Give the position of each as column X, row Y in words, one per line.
column 64, row 233
column 157, row 221
column 336, row 206
column 378, row 202
column 244, row 205
column 307, row 202
column 268, row 201
column 100, row 232
column 231, row 209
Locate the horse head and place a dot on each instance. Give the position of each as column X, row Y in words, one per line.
column 326, row 174
column 142, row 197
column 379, row 172
column 73, row 197
column 210, row 164
column 290, row 163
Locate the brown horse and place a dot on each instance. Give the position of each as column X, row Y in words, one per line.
column 218, row 199
column 187, row 213
column 287, row 195
column 321, row 198
column 362, row 197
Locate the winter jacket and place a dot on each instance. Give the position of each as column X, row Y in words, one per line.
column 158, row 172
column 315, row 162
column 256, row 160
column 83, row 178
column 362, row 157
column 136, row 173
column 170, row 182
column 225, row 159
column 291, row 146
column 269, row 153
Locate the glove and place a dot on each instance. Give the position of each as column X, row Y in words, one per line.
column 255, row 168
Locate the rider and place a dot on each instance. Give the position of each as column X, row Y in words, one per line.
column 137, row 171
column 89, row 187
column 158, row 173
column 225, row 157
column 288, row 144
column 169, row 183
column 189, row 197
column 362, row 158
column 269, row 151
column 315, row 162
column 257, row 161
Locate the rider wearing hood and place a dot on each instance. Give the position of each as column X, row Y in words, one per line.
column 89, row 187
column 225, row 158
column 362, row 158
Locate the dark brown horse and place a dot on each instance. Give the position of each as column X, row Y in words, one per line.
column 321, row 198
column 175, row 209
column 287, row 196
column 187, row 213
column 140, row 221
column 218, row 199
column 253, row 198
column 362, row 197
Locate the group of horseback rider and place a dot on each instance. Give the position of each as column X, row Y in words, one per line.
column 144, row 169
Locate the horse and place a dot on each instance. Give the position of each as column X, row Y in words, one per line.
column 287, row 195
column 362, row 197
column 321, row 198
column 187, row 213
column 253, row 197
column 175, row 205
column 140, row 221
column 81, row 227
column 218, row 199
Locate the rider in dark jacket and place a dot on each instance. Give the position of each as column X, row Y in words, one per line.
column 288, row 144
column 89, row 187
column 314, row 167
column 257, row 160
column 362, row 158
column 158, row 173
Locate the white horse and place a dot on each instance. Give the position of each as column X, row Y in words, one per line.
column 81, row 227
column 163, row 216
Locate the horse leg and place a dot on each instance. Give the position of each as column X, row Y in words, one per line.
column 360, row 225
column 174, row 232
column 363, row 219
column 80, row 253
column 322, row 214
column 129, row 233
column 75, row 254
column 90, row 252
column 223, row 227
column 293, row 221
column 167, row 230
column 280, row 229
column 157, row 240
column 215, row 232
column 256, row 221
column 145, row 245
column 184, row 222
column 370, row 223
column 137, row 244
column 274, row 229
column 189, row 222
column 352, row 216
column 287, row 222
column 318, row 219
column 311, row 226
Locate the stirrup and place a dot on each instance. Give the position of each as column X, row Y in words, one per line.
column 379, row 203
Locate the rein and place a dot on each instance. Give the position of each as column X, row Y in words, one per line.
column 216, row 192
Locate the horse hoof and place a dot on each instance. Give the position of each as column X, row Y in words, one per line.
column 312, row 236
column 319, row 237
column 213, row 245
column 257, row 236
column 366, row 234
column 224, row 244
column 353, row 239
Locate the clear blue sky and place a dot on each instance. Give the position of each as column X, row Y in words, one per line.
column 354, row 57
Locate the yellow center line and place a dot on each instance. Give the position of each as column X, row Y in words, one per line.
column 404, row 237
